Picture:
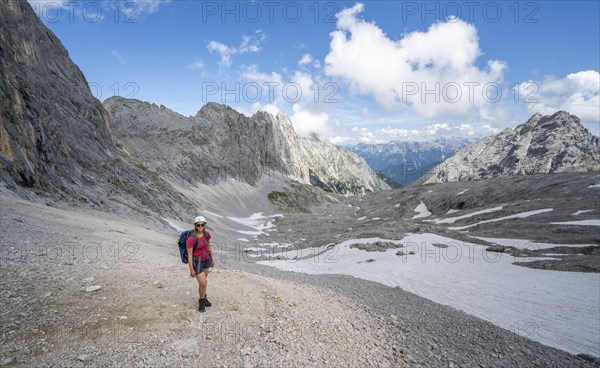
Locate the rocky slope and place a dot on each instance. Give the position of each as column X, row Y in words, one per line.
column 220, row 143
column 544, row 144
column 338, row 170
column 55, row 137
column 407, row 162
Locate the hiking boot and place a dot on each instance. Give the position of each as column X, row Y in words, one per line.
column 201, row 305
column 206, row 302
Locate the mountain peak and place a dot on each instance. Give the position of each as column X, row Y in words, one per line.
column 543, row 144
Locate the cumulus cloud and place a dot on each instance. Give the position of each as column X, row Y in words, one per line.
column 306, row 59
column 196, row 65
column 578, row 93
column 307, row 121
column 366, row 136
column 310, row 115
column 434, row 73
column 252, row 73
column 256, row 107
column 249, row 43
column 279, row 93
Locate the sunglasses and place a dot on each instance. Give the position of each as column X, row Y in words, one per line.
column 198, row 225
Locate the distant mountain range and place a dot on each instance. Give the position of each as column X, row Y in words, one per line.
column 544, row 144
column 406, row 162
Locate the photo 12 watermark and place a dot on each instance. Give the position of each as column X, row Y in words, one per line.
column 43, row 254
column 88, row 11
column 269, row 92
column 115, row 89
column 470, row 11
column 471, row 92
column 269, row 11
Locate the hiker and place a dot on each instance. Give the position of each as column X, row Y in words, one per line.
column 200, row 259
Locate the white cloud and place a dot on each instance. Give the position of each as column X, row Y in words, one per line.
column 434, row 73
column 134, row 8
column 252, row 73
column 365, row 135
column 310, row 113
column 426, row 133
column 248, row 44
column 119, row 58
column 339, row 140
column 278, row 94
column 256, row 107
column 306, row 59
column 398, row 134
column 196, row 65
column 224, row 50
column 577, row 93
column 306, row 121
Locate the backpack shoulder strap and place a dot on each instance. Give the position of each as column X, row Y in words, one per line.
column 195, row 240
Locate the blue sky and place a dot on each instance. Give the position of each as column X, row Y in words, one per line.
column 353, row 72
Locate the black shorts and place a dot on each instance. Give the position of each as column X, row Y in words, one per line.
column 200, row 266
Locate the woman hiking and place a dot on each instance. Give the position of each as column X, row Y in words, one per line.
column 200, row 259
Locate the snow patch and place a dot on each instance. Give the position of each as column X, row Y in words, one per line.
column 422, row 211
column 174, row 225
column 518, row 215
column 256, row 221
column 580, row 223
column 580, row 212
column 527, row 244
column 451, row 220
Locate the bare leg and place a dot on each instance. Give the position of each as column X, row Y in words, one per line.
column 202, row 282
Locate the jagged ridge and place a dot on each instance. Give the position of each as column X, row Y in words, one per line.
column 220, row 143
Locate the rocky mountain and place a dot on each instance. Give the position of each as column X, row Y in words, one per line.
column 56, row 141
column 544, row 144
column 407, row 162
column 219, row 143
column 338, row 170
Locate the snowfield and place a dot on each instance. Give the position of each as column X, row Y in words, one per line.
column 559, row 309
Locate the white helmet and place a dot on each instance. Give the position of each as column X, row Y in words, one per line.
column 199, row 219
